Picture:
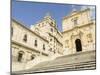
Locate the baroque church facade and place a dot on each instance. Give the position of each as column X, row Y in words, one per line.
column 44, row 42
column 79, row 30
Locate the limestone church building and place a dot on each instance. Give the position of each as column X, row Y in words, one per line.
column 44, row 42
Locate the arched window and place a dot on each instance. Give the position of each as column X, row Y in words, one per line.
column 25, row 38
column 32, row 57
column 20, row 56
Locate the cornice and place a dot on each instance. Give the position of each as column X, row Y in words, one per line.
column 77, row 12
column 91, row 23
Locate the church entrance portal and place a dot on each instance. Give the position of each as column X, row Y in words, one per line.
column 78, row 45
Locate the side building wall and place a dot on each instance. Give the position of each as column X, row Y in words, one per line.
column 27, row 46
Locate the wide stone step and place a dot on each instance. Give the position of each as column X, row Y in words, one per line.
column 85, row 65
column 79, row 61
column 69, row 59
column 63, row 67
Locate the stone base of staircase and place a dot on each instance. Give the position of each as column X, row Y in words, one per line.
column 78, row 61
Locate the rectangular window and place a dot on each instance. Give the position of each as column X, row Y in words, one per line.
column 11, row 31
column 35, row 43
column 25, row 38
column 75, row 20
column 51, row 30
column 43, row 46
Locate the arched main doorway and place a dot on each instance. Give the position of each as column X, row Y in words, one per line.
column 78, row 45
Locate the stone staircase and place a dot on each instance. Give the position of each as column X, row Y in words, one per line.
column 77, row 61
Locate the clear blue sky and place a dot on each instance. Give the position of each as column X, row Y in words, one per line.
column 30, row 13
